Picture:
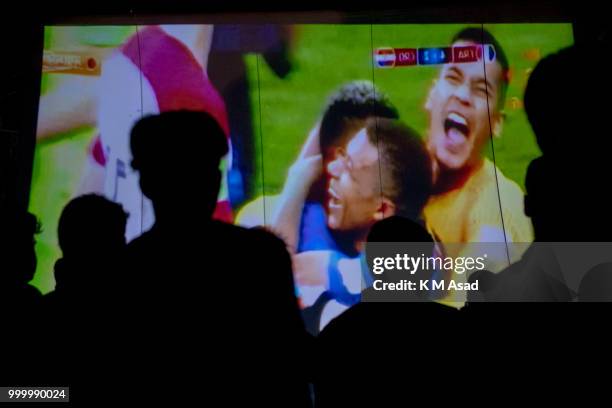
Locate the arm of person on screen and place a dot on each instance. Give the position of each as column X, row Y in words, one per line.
column 303, row 173
column 311, row 146
column 288, row 213
column 282, row 213
column 71, row 105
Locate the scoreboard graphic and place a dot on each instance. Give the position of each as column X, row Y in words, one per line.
column 387, row 57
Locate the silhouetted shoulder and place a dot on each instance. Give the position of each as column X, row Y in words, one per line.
column 142, row 240
column 391, row 321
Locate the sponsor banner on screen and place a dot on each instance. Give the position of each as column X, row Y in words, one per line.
column 70, row 63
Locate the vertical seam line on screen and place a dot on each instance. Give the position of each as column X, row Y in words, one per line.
column 261, row 152
column 376, row 117
column 141, row 115
column 501, row 211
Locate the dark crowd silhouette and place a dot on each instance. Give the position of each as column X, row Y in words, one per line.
column 197, row 308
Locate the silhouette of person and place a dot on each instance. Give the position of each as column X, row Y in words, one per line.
column 91, row 235
column 198, row 310
column 19, row 301
column 559, row 110
column 77, row 317
column 19, row 264
column 407, row 330
column 561, row 210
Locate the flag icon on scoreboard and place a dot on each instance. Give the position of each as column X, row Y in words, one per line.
column 385, row 57
column 489, row 52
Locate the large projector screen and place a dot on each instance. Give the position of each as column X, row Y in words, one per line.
column 294, row 100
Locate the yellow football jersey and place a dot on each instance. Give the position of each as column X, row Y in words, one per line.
column 472, row 212
column 257, row 212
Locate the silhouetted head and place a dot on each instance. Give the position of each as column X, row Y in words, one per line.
column 401, row 236
column 567, row 107
column 177, row 155
column 569, row 116
column 553, row 90
column 346, row 112
column 19, row 260
column 399, row 229
column 91, row 227
column 596, row 285
column 560, row 200
column 384, row 170
column 551, row 205
column 465, row 104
